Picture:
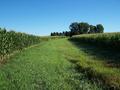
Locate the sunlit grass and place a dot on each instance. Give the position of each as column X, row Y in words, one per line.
column 44, row 67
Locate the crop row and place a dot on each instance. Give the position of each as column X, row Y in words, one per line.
column 11, row 41
column 108, row 40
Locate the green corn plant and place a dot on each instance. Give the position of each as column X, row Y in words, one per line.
column 108, row 40
column 11, row 41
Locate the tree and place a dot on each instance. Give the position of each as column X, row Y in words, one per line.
column 77, row 28
column 67, row 33
column 100, row 28
column 74, row 28
column 92, row 29
column 52, row 34
column 83, row 27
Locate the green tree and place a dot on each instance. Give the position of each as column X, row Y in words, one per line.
column 92, row 29
column 74, row 28
column 100, row 28
column 83, row 27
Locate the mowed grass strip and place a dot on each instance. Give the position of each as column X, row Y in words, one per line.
column 44, row 67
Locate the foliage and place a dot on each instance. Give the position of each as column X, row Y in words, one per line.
column 93, row 29
column 98, row 62
column 11, row 41
column 108, row 40
column 100, row 28
column 84, row 28
column 64, row 33
column 74, row 27
column 77, row 28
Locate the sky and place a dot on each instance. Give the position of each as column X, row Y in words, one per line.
column 41, row 17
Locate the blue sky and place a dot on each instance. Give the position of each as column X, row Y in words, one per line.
column 40, row 17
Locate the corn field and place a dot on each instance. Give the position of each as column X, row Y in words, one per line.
column 108, row 40
column 11, row 41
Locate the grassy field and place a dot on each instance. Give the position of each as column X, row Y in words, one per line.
column 100, row 58
column 47, row 66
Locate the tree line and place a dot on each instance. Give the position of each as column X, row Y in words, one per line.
column 77, row 28
column 64, row 33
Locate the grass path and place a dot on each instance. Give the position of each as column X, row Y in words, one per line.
column 44, row 67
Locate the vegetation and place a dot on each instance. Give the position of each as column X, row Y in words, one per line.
column 64, row 33
column 45, row 67
column 87, row 61
column 11, row 41
column 100, row 58
column 107, row 40
column 80, row 28
column 84, row 28
column 47, row 38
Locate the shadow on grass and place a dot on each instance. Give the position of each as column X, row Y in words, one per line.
column 111, row 57
column 93, row 76
column 85, row 80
